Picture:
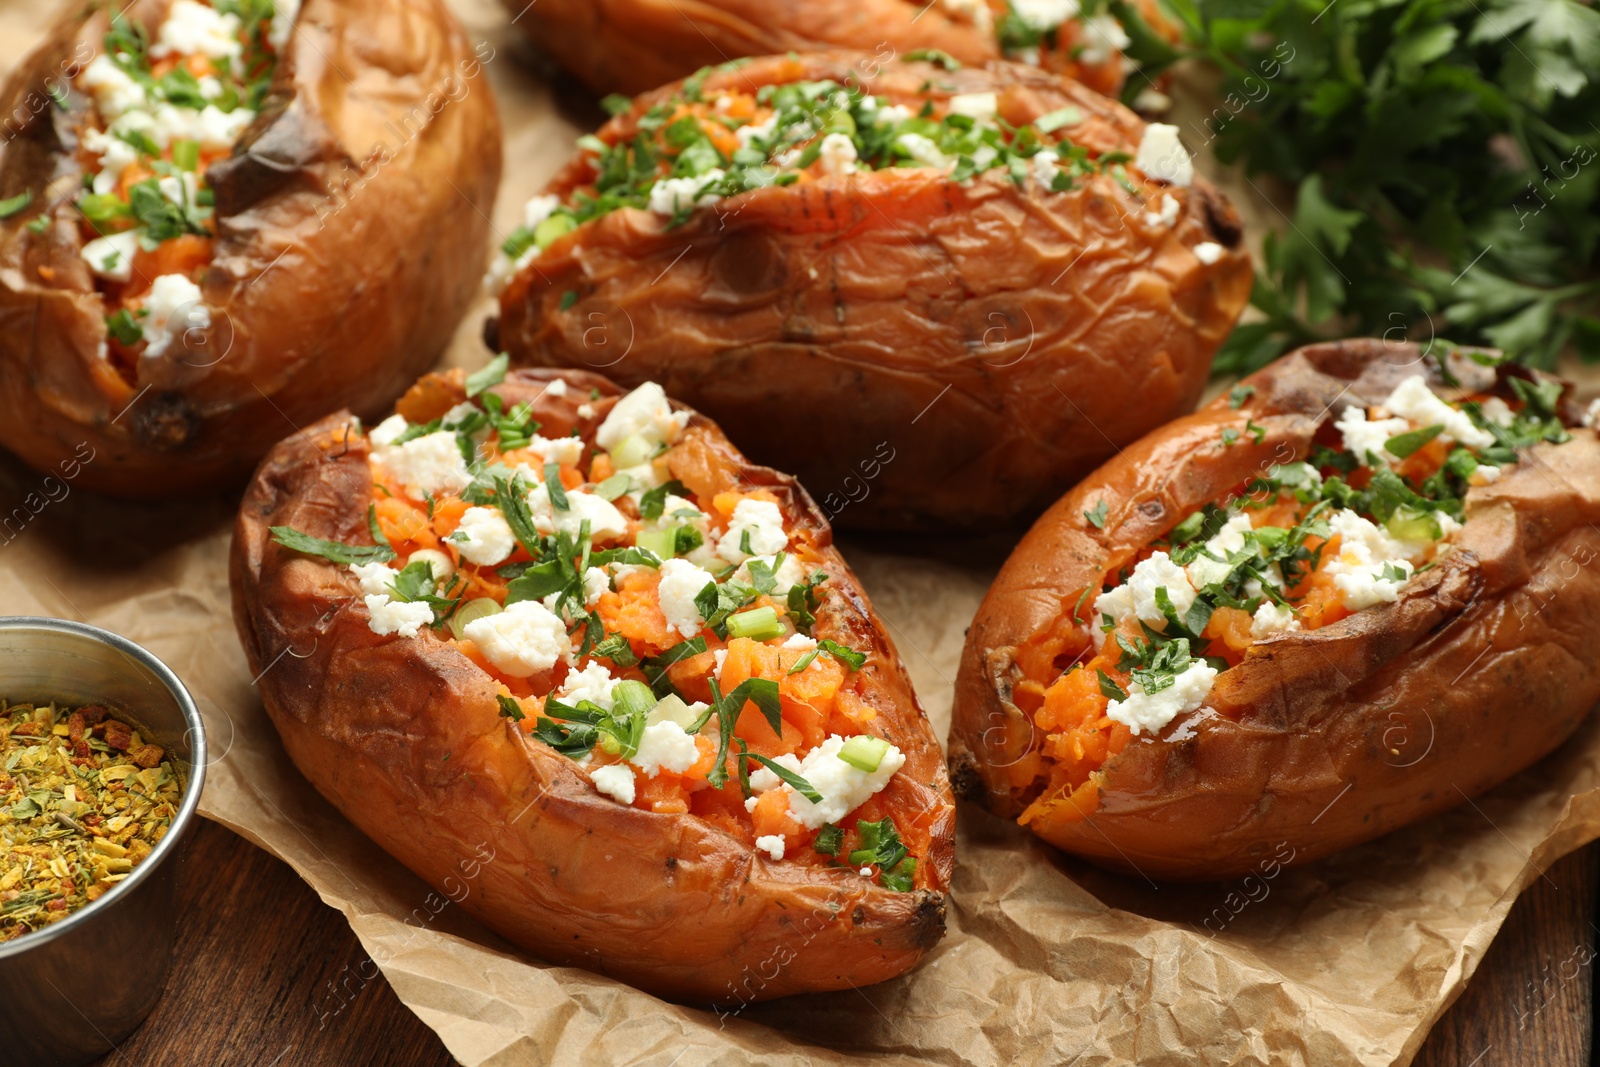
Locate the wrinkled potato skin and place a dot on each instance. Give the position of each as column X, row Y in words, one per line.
column 1327, row 738
column 632, row 46
column 917, row 352
column 664, row 902
column 352, row 222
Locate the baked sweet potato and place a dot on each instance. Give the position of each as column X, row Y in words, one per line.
column 937, row 296
column 224, row 222
column 632, row 797
column 1370, row 616
column 629, row 46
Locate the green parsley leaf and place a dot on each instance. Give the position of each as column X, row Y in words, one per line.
column 1096, row 516
column 337, row 551
column 490, row 374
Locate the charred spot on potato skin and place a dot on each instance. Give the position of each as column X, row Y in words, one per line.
column 1153, row 510
column 927, row 924
column 1221, row 219
column 491, row 333
column 966, row 781
column 165, row 421
column 859, row 916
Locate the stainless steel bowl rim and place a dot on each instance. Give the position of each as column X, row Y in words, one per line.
column 191, row 798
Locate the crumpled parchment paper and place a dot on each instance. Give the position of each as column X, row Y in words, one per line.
column 1047, row 961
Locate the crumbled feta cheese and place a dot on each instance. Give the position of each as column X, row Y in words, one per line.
column 1499, row 412
column 843, row 788
column 759, row 131
column 174, row 308
column 440, row 565
column 116, row 156
column 1044, row 167
column 557, row 387
column 197, row 29
column 645, row 412
column 1208, row 252
column 1162, row 156
column 669, row 196
column 375, row 578
column 1044, row 15
column 1271, row 618
column 539, row 208
column 1168, row 216
column 750, row 803
column 523, row 639
column 838, row 154
column 1105, row 37
column 681, row 582
column 762, row 520
column 615, row 780
column 1485, row 474
column 922, row 150
column 427, row 465
column 1367, row 439
column 1365, row 553
column 1152, row 711
column 718, row 657
column 593, row 683
column 566, row 451
column 788, row 575
column 383, row 434
column 974, row 11
column 771, row 844
column 114, row 90
column 458, row 414
column 762, row 779
column 865, row 872
column 1204, row 571
column 604, row 519
column 596, row 584
column 665, row 746
column 1414, row 401
column 892, row 115
column 396, row 616
column 111, row 256
column 980, row 107
column 1137, row 596
column 800, row 641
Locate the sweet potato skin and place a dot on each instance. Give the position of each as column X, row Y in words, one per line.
column 631, row 46
column 352, row 222
column 665, row 902
column 916, row 351
column 1326, row 738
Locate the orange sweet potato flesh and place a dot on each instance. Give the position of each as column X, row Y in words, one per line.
column 669, row 903
column 1327, row 738
column 352, row 222
column 918, row 352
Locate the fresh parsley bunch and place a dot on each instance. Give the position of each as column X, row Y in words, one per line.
column 1444, row 157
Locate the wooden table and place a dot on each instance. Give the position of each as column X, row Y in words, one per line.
column 267, row 975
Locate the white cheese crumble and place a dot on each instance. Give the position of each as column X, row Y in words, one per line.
column 665, row 746
column 669, row 196
column 1414, row 401
column 604, row 520
column 174, row 308
column 427, row 465
column 843, row 787
column 1368, row 438
column 892, row 115
column 284, row 13
column 800, row 641
column 1270, row 619
column 386, row 431
column 483, row 536
column 593, row 683
column 763, row 521
column 615, row 780
column 596, row 584
column 396, row 616
column 1365, row 553
column 771, row 844
column 1044, row 15
column 1162, row 156
column 1105, row 37
column 645, row 412
column 980, row 107
column 1208, row 252
column 197, row 29
column 1168, row 216
column 1137, row 596
column 1044, row 169
column 111, row 256
column 758, row 131
column 523, row 639
column 375, row 578
column 1152, row 711
column 681, row 582
column 566, row 451
column 838, row 154
column 114, row 90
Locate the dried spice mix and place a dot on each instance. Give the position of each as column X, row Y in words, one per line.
column 83, row 800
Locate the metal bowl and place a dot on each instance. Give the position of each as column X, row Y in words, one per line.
column 72, row 991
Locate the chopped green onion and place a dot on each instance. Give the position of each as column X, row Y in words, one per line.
column 864, row 752
column 471, row 611
column 671, row 708
column 11, row 205
column 632, row 698
column 632, row 451
column 186, row 155
column 662, row 543
column 758, row 624
column 829, row 839
column 491, row 373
